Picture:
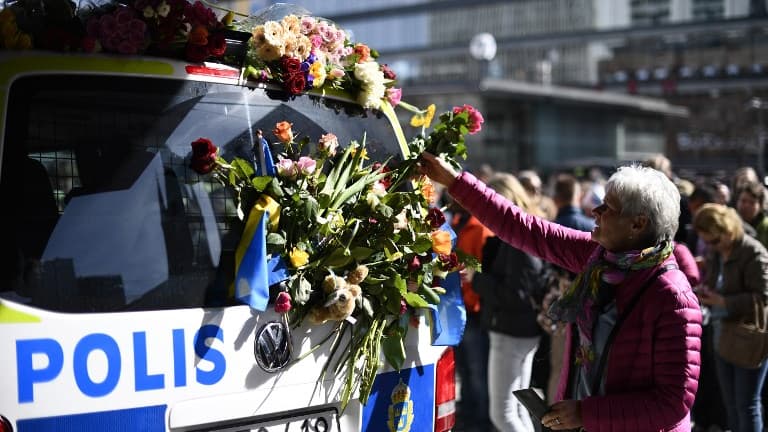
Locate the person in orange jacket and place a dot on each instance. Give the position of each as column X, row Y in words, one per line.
column 472, row 352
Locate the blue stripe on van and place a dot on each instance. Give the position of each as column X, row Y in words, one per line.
column 146, row 419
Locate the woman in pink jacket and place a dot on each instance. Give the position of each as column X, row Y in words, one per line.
column 634, row 324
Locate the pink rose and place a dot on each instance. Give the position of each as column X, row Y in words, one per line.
column 475, row 118
column 394, row 95
column 287, row 168
column 306, row 165
column 328, row 144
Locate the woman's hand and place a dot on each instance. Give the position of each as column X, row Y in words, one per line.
column 563, row 415
column 437, row 169
column 710, row 298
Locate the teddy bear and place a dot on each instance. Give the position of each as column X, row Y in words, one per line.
column 341, row 296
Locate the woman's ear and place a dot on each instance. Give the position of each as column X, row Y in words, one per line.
column 639, row 225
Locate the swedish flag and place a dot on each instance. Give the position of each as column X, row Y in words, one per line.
column 251, row 269
column 449, row 317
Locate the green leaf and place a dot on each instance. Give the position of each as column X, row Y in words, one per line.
column 311, row 208
column 415, row 300
column 243, row 168
column 394, row 350
column 422, row 244
column 261, row 182
column 429, row 294
column 360, row 253
column 393, row 302
column 337, row 258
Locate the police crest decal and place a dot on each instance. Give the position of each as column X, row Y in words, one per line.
column 401, row 409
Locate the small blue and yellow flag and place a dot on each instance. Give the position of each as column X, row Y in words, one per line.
column 449, row 317
column 251, row 267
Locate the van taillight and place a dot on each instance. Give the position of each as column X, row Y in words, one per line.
column 445, row 392
column 5, row 425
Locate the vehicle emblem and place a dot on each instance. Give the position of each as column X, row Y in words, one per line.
column 272, row 346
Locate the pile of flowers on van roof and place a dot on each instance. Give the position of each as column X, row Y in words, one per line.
column 297, row 51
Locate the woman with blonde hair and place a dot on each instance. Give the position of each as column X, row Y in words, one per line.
column 509, row 288
column 736, row 282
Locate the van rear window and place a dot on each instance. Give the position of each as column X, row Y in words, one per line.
column 102, row 210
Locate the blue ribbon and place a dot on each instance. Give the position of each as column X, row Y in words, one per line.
column 265, row 166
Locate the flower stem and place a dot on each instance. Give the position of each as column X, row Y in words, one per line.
column 411, row 108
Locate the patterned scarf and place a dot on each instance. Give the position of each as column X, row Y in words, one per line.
column 583, row 300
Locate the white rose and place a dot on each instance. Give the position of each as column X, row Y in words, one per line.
column 274, row 34
column 366, row 72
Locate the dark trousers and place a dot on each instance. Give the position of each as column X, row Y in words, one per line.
column 472, row 368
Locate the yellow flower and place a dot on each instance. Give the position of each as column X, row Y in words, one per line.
column 441, row 242
column 424, row 119
column 298, row 257
column 317, row 70
column 363, row 154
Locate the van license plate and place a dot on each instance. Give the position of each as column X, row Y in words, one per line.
column 318, row 421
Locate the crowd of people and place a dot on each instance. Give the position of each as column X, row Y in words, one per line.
column 615, row 297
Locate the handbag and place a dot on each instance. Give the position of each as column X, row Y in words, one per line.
column 744, row 343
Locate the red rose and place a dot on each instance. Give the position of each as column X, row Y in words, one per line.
column 283, row 302
column 435, row 217
column 217, row 45
column 388, row 73
column 203, row 156
column 295, row 84
column 291, row 65
column 197, row 53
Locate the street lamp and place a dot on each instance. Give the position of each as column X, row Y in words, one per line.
column 482, row 48
column 759, row 105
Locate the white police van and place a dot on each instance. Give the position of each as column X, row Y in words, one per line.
column 114, row 310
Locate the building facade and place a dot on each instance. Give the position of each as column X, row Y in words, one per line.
column 635, row 47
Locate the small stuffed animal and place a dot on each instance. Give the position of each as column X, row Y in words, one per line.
column 340, row 297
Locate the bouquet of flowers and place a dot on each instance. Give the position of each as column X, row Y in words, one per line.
column 363, row 242
column 302, row 53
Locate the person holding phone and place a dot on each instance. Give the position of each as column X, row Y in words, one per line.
column 633, row 331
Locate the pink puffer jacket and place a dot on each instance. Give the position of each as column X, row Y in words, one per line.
column 653, row 365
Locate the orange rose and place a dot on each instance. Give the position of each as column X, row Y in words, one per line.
column 441, row 242
column 363, row 52
column 283, row 132
column 428, row 191
column 198, row 36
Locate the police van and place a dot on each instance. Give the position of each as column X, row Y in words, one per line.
column 114, row 310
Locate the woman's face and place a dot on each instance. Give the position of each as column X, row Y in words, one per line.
column 748, row 206
column 612, row 230
column 716, row 242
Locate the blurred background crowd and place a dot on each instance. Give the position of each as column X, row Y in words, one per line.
column 536, row 356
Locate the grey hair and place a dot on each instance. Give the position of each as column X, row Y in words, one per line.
column 648, row 192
